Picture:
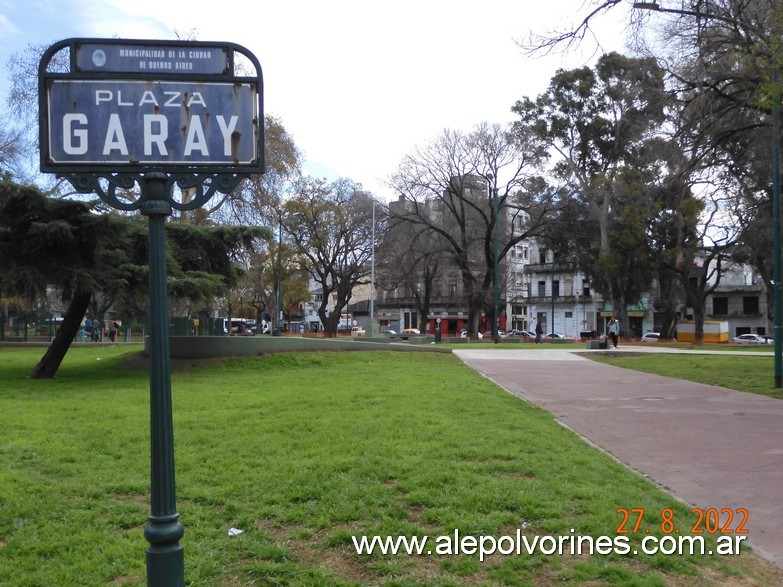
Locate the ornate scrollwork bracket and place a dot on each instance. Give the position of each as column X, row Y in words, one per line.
column 205, row 186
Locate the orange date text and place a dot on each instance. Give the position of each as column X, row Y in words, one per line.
column 704, row 521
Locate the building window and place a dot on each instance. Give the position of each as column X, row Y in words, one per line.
column 542, row 289
column 750, row 305
column 720, row 306
column 555, row 288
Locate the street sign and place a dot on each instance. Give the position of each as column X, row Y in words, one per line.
column 129, row 106
column 131, row 123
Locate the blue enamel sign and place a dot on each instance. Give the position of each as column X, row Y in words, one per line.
column 151, row 123
column 129, row 105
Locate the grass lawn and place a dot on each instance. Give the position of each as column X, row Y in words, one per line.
column 303, row 451
column 751, row 374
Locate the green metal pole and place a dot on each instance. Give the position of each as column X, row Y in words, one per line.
column 495, row 287
column 279, row 277
column 776, row 244
column 552, row 328
column 165, row 556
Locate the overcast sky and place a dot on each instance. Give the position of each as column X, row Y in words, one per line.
column 358, row 83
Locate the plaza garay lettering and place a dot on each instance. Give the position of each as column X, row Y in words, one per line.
column 76, row 136
column 136, row 123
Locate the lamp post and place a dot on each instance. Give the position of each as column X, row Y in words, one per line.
column 552, row 328
column 776, row 230
column 373, row 331
column 279, row 274
column 495, row 288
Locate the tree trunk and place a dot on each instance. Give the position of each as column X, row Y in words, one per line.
column 698, row 324
column 670, row 292
column 50, row 362
column 330, row 322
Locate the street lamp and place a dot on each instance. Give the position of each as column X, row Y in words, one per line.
column 552, row 328
column 495, row 290
column 279, row 274
column 776, row 230
column 373, row 330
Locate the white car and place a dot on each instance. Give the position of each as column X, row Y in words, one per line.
column 750, row 339
column 651, row 337
column 555, row 335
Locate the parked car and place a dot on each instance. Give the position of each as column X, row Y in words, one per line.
column 241, row 329
column 357, row 331
column 750, row 339
column 488, row 334
column 411, row 331
column 521, row 333
column 240, row 326
column 651, row 337
column 389, row 331
column 555, row 335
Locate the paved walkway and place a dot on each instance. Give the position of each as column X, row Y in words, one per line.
column 709, row 446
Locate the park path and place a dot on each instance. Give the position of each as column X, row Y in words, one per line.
column 708, row 446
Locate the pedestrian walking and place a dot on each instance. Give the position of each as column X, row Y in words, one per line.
column 539, row 332
column 613, row 330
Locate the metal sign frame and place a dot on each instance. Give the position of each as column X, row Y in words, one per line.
column 149, row 64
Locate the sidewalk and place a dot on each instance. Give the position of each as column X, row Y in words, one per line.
column 708, row 446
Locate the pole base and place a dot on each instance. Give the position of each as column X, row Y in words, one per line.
column 166, row 566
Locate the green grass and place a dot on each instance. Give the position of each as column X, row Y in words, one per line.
column 750, row 374
column 303, row 451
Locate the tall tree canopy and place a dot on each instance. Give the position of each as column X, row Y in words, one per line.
column 719, row 57
column 48, row 243
column 603, row 125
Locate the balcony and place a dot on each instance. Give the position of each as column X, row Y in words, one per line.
column 549, row 267
column 558, row 300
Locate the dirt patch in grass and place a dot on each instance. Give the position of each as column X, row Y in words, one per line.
column 310, row 551
column 123, row 579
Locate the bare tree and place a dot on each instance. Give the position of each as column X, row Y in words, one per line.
column 330, row 225
column 464, row 186
column 410, row 261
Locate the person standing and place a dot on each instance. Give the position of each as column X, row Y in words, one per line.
column 614, row 331
column 539, row 332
